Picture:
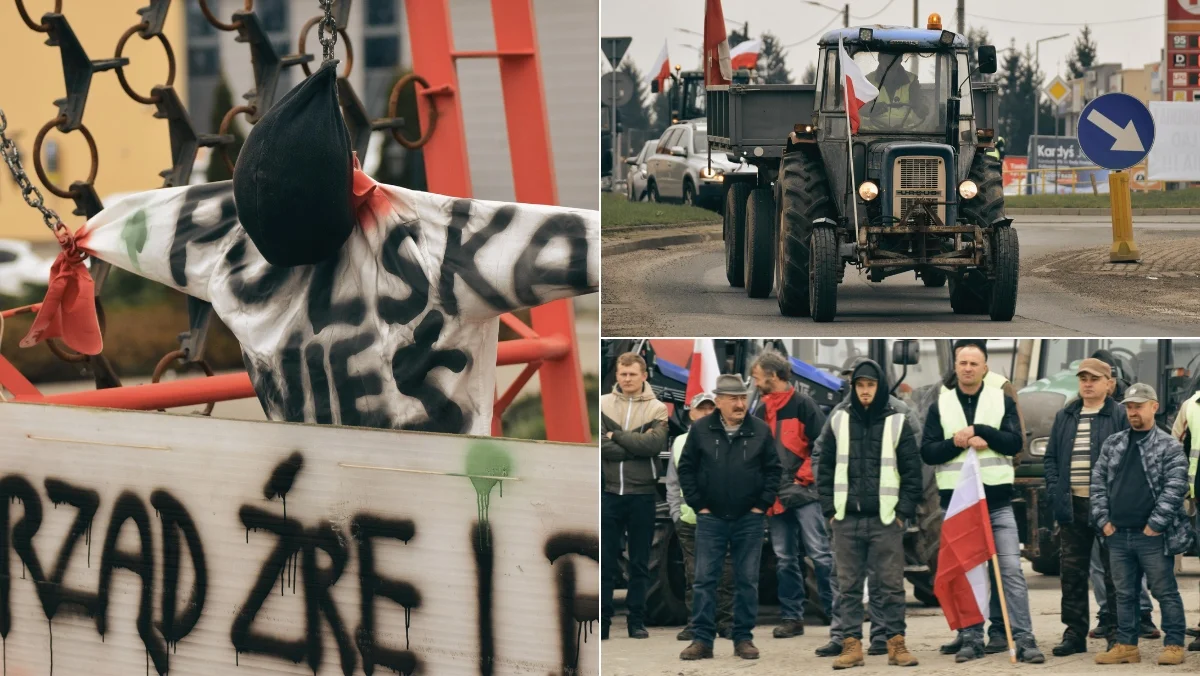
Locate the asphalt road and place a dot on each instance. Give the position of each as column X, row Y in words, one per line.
column 682, row 291
column 926, row 631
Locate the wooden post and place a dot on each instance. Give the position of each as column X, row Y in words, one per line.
column 1012, row 650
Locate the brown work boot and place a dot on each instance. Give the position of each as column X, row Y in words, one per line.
column 1172, row 654
column 745, row 650
column 696, row 651
column 789, row 628
column 898, row 654
column 852, row 654
column 1120, row 654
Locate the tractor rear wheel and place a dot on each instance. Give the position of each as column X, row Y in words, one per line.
column 825, row 270
column 760, row 243
column 803, row 199
column 735, row 233
column 921, row 547
column 665, row 596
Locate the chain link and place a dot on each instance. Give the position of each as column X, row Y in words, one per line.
column 327, row 27
column 32, row 196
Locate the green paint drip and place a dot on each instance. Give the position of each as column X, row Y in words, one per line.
column 135, row 233
column 490, row 459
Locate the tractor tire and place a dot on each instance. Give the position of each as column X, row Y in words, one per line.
column 933, row 278
column 825, row 270
column 1006, row 251
column 735, row 233
column 804, row 198
column 768, row 586
column 921, row 548
column 976, row 292
column 759, row 261
column 665, row 596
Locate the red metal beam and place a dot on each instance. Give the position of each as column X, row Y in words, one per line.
column 187, row 392
column 16, row 383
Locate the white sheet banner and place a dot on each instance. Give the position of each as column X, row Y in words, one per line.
column 1176, row 152
column 146, row 543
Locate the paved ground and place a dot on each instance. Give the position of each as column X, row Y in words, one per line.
column 682, row 291
column 927, row 629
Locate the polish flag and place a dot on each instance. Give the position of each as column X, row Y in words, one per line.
column 662, row 68
column 859, row 91
column 962, row 584
column 745, row 55
column 717, row 70
column 703, row 372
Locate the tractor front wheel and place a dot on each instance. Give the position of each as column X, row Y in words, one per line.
column 825, row 270
column 1007, row 265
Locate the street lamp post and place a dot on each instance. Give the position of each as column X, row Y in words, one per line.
column 845, row 11
column 1037, row 95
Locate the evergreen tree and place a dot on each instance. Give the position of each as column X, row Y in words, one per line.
column 736, row 38
column 1084, row 54
column 810, row 74
column 975, row 38
column 635, row 114
column 772, row 60
column 1020, row 81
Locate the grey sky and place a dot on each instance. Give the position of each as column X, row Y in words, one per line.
column 1122, row 40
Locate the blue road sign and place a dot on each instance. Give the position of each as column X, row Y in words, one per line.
column 1116, row 131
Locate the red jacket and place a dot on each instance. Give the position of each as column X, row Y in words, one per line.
column 796, row 422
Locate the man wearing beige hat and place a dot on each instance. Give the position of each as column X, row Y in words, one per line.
column 729, row 473
column 1079, row 430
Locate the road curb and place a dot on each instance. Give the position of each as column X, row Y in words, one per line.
column 1098, row 211
column 644, row 243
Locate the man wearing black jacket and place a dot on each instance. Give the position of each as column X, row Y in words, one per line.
column 983, row 417
column 1079, row 430
column 869, row 480
column 729, row 473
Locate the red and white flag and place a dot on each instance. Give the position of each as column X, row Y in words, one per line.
column 662, row 68
column 962, row 584
column 717, row 70
column 703, row 372
column 745, row 55
column 859, row 91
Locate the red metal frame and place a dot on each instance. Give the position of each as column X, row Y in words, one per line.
column 548, row 348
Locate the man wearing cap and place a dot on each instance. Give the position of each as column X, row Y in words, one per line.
column 983, row 417
column 634, row 428
column 684, row 517
column 1079, row 429
column 797, row 529
column 869, row 479
column 729, row 473
column 1139, row 482
column 1187, row 430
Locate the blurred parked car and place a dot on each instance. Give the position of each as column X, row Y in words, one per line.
column 679, row 169
column 635, row 182
column 21, row 268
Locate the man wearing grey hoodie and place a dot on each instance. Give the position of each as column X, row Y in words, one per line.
column 633, row 434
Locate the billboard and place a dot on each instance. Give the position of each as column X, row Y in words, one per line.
column 146, row 543
column 1063, row 158
column 1176, row 152
column 1183, row 50
column 1014, row 174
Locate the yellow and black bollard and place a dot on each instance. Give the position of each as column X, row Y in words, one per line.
column 1123, row 250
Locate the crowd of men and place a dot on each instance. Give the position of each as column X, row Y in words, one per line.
column 841, row 489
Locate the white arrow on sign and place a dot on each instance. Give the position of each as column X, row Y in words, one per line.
column 1124, row 138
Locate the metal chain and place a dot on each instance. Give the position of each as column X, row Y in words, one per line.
column 327, row 26
column 33, row 196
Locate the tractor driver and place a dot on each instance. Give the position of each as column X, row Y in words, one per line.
column 901, row 105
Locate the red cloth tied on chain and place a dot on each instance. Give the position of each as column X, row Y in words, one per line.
column 69, row 310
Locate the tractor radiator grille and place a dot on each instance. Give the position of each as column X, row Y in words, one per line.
column 916, row 180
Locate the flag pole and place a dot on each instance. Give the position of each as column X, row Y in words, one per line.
column 849, row 148
column 1012, row 651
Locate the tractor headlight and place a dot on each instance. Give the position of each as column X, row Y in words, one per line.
column 713, row 174
column 1038, row 446
column 868, row 191
column 968, row 189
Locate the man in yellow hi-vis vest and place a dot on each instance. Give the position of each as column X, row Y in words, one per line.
column 1187, row 431
column 982, row 417
column 901, row 105
column 684, row 518
column 869, row 481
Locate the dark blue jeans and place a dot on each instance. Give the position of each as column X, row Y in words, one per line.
column 1132, row 553
column 621, row 514
column 714, row 536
